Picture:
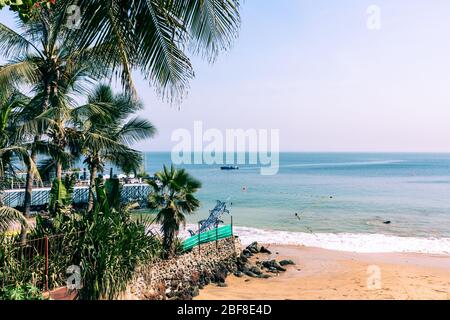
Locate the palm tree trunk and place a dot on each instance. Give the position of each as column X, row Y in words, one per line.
column 93, row 174
column 168, row 244
column 29, row 185
column 23, row 235
column 58, row 170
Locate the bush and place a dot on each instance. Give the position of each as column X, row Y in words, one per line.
column 20, row 292
column 106, row 244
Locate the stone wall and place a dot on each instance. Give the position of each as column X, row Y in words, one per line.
column 182, row 277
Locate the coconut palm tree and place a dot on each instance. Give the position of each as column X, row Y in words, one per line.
column 151, row 36
column 10, row 151
column 43, row 58
column 174, row 196
column 109, row 139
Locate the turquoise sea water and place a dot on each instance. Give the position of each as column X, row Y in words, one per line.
column 339, row 196
column 333, row 193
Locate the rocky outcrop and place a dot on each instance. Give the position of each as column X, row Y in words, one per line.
column 182, row 277
column 262, row 269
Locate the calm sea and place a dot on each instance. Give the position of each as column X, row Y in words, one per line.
column 342, row 200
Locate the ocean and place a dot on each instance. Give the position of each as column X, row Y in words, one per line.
column 341, row 199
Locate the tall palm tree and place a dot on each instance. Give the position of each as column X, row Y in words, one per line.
column 10, row 151
column 151, row 36
column 174, row 195
column 43, row 58
column 109, row 139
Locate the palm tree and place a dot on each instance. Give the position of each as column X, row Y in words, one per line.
column 10, row 151
column 108, row 139
column 151, row 36
column 43, row 58
column 174, row 195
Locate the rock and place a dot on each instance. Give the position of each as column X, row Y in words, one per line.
column 247, row 253
column 238, row 274
column 273, row 265
column 264, row 276
column 242, row 259
column 256, row 270
column 221, row 273
column 286, row 262
column 195, row 291
column 273, row 270
column 265, row 250
column 222, row 285
column 251, row 274
column 253, row 250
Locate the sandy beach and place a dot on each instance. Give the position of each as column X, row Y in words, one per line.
column 325, row 274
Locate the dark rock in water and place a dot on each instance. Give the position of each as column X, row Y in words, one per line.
column 265, row 250
column 286, row 262
column 222, row 284
column 387, row 222
column 247, row 253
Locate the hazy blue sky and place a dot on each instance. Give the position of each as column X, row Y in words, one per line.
column 315, row 71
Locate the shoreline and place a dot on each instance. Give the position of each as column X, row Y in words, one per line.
column 347, row 242
column 329, row 275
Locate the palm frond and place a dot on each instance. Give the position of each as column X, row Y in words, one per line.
column 136, row 130
column 8, row 216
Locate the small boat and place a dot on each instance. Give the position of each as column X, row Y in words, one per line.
column 229, row 168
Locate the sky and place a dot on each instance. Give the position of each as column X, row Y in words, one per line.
column 315, row 71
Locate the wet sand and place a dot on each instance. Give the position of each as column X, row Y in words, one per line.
column 325, row 274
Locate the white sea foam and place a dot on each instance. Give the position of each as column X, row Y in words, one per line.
column 364, row 243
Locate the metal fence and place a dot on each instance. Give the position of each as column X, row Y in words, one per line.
column 40, row 196
column 42, row 262
column 215, row 234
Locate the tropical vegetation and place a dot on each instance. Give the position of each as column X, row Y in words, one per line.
column 174, row 196
column 67, row 95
